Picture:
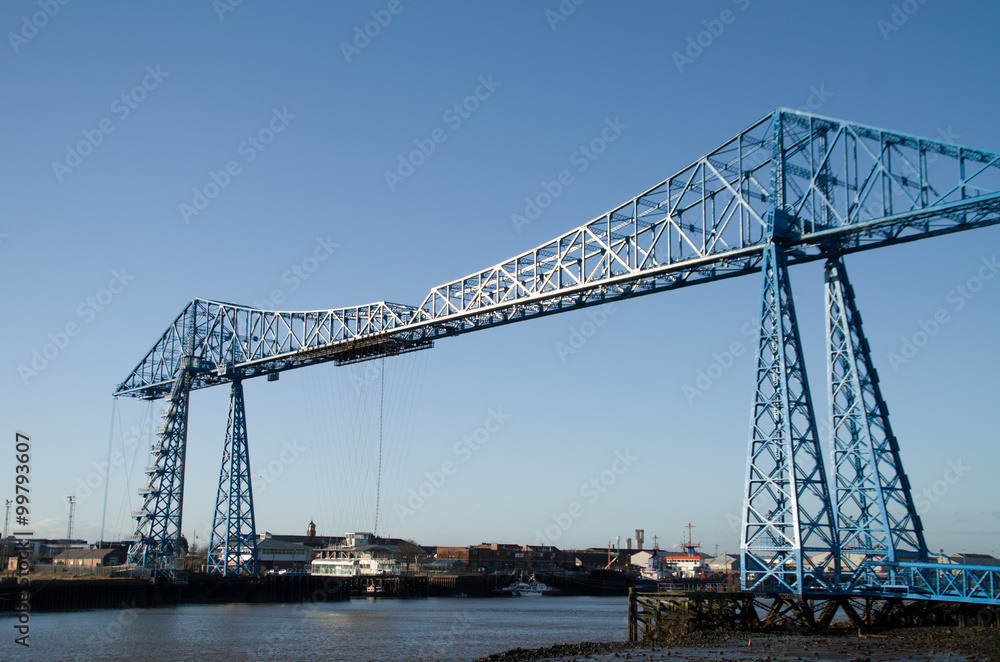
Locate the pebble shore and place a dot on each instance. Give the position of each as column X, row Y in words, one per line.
column 916, row 644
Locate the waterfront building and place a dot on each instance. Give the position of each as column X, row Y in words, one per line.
column 444, row 565
column 725, row 563
column 507, row 557
column 973, row 559
column 274, row 554
column 88, row 560
column 360, row 555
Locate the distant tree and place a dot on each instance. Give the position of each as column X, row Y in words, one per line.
column 196, row 558
column 410, row 552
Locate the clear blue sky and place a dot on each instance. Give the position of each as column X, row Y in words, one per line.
column 332, row 113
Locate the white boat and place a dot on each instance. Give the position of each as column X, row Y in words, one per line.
column 530, row 589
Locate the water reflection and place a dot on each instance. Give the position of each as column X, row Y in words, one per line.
column 362, row 629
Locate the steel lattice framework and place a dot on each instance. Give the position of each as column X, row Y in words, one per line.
column 788, row 537
column 791, row 188
column 835, row 187
column 872, row 503
column 158, row 527
column 232, row 549
column 976, row 584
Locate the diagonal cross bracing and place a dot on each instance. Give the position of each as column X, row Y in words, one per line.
column 787, row 539
column 232, row 548
column 158, row 521
column 838, row 187
column 873, row 508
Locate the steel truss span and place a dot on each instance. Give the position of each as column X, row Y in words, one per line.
column 790, row 188
column 831, row 187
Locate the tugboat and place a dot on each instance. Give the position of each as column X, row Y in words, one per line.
column 373, row 591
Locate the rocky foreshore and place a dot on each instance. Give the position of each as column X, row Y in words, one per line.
column 970, row 644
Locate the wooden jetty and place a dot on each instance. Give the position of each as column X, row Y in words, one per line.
column 389, row 586
column 660, row 615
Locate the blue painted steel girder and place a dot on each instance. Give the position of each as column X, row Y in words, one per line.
column 157, row 543
column 232, row 548
column 947, row 582
column 874, row 512
column 787, row 542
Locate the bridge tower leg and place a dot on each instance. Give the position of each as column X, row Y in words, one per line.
column 873, row 508
column 232, row 549
column 158, row 522
column 787, row 542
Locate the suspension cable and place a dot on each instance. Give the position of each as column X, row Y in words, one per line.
column 381, row 413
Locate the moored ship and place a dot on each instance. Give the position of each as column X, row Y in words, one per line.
column 529, row 589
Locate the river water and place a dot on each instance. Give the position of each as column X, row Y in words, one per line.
column 362, row 629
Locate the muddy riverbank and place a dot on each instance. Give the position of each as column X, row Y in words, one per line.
column 969, row 644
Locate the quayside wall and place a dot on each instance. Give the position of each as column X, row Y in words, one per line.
column 70, row 594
